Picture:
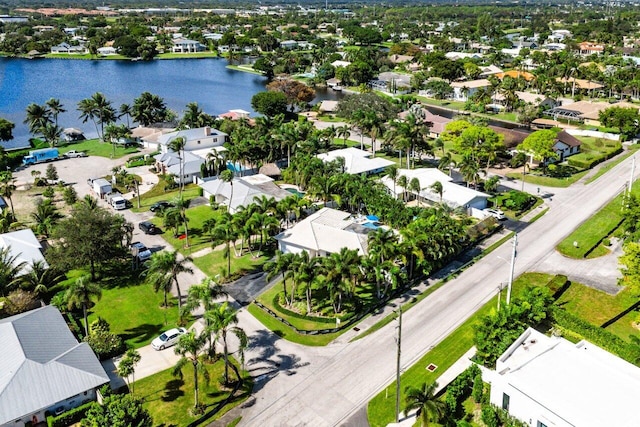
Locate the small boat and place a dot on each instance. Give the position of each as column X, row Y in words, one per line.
column 337, row 88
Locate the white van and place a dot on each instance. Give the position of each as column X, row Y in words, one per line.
column 118, row 203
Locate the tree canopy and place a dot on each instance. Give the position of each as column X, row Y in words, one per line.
column 269, row 103
column 540, row 144
column 6, row 130
column 118, row 410
column 627, row 120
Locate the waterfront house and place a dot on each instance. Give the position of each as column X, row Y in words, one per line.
column 243, row 191
column 66, row 48
column 45, row 370
column 195, row 139
column 462, row 91
column 169, row 163
column 107, row 50
column 437, row 123
column 356, row 161
column 549, row 381
column 590, row 48
column 181, row 45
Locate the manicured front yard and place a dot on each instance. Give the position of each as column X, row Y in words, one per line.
column 169, row 399
column 548, row 181
column 135, row 313
column 215, row 263
column 94, row 147
column 161, row 192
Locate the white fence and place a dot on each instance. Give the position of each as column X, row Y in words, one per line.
column 594, row 134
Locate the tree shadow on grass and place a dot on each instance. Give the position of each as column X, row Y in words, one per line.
column 619, row 316
column 142, row 333
column 172, row 390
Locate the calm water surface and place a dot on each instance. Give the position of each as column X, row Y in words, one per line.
column 208, row 82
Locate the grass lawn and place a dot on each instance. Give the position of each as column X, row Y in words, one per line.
column 160, row 192
column 287, row 333
column 330, row 118
column 193, row 55
column 618, row 159
column 245, row 69
column 197, row 240
column 446, row 103
column 94, row 147
column 593, row 148
column 215, row 263
column 169, row 399
column 135, row 313
column 599, row 308
column 381, row 409
column 548, row 181
column 599, row 226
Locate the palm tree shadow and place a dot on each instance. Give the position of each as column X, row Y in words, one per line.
column 142, row 332
column 172, row 390
column 619, row 316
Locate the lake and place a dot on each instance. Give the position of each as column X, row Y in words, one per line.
column 208, row 82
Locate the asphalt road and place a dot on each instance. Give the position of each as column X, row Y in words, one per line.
column 340, row 379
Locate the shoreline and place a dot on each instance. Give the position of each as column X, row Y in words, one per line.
column 89, row 57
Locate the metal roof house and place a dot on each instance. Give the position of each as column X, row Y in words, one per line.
column 244, row 192
column 357, row 161
column 23, row 245
column 549, row 381
column 43, row 367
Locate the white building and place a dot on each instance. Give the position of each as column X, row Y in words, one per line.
column 357, row 161
column 181, row 45
column 195, row 139
column 244, row 191
column 462, row 91
column 549, row 381
column 24, row 246
column 453, row 194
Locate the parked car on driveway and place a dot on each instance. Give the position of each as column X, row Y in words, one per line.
column 160, row 206
column 148, row 227
column 139, row 250
column 168, row 338
column 496, row 213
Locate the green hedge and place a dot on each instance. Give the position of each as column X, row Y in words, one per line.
column 70, row 417
column 589, row 163
column 598, row 336
column 281, row 309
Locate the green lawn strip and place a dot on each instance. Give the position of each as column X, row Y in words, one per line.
column 594, row 148
column 160, row 192
column 135, row 313
column 540, row 215
column 599, row 226
column 193, row 55
column 606, row 168
column 547, row 181
column 196, row 218
column 215, row 263
column 339, row 143
column 598, row 308
column 94, row 147
column 308, row 324
column 453, row 105
column 169, row 399
column 289, row 334
column 330, row 118
column 381, row 409
column 244, row 69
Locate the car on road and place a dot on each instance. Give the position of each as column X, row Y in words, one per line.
column 148, row 227
column 75, row 154
column 496, row 213
column 140, row 251
column 168, row 338
column 160, row 206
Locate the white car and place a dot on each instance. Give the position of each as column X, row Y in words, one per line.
column 75, row 154
column 496, row 213
column 168, row 338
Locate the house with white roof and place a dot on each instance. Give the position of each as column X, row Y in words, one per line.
column 44, row 368
column 195, row 139
column 181, row 45
column 24, row 246
column 325, row 232
column 356, row 161
column 453, row 194
column 169, row 163
column 462, row 91
column 549, row 381
column 243, row 191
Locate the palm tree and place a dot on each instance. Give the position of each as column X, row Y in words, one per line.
column 51, row 133
column 436, row 187
column 163, row 271
column 125, row 110
column 177, row 145
column 227, row 176
column 414, row 186
column 223, row 318
column 81, row 293
column 190, row 346
column 343, row 132
column 46, row 216
column 306, row 271
column 280, row 265
column 40, row 278
column 181, row 205
column 423, row 400
column 227, row 232
column 55, row 107
column 37, row 117
column 10, row 269
column 7, row 187
column 204, row 294
column 148, row 109
column 403, row 182
column 446, row 162
column 127, row 366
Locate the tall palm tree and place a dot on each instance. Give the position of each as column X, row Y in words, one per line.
column 190, row 347
column 281, row 264
column 343, row 132
column 404, row 183
column 437, row 188
column 177, row 144
column 148, row 109
column 423, row 399
column 204, row 294
column 55, row 107
column 306, row 271
column 164, row 268
column 181, row 205
column 46, row 216
column 223, row 319
column 414, row 186
column 40, row 278
column 227, row 176
column 7, row 187
column 81, row 293
column 125, row 110
column 37, row 117
column 51, row 133
column 226, row 232
column 127, row 366
column 10, row 269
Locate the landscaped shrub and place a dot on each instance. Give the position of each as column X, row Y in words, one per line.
column 518, row 201
column 478, row 388
column 590, row 161
column 460, row 389
column 102, row 341
column 70, row 417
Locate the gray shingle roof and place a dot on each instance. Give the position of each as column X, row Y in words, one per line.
column 42, row 363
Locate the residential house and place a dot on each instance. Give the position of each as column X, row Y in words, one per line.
column 462, row 91
column 328, row 106
column 453, row 194
column 454, row 56
column 170, row 163
column 400, row 59
column 195, row 139
column 534, row 99
column 237, row 114
column 148, row 135
column 391, row 82
column 243, row 191
column 549, row 381
column 107, row 50
column 356, row 161
column 587, row 112
column 289, row 44
column 340, row 63
column 511, row 137
column 438, row 123
column 181, row 45
column 515, row 74
column 24, row 246
column 69, row 49
column 325, row 232
column 44, row 368
column 559, row 35
column 565, row 145
column 590, row 48
column 489, row 70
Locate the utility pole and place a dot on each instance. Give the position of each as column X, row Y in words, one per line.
column 513, row 265
column 633, row 171
column 398, row 365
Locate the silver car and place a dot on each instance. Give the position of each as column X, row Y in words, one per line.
column 168, row 338
column 138, row 249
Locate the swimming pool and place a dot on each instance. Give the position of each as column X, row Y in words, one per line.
column 295, row 192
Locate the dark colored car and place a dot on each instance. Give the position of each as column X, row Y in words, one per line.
column 160, row 206
column 148, row 228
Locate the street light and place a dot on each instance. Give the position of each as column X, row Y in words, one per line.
column 511, row 268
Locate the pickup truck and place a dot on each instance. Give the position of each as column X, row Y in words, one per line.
column 75, row 154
